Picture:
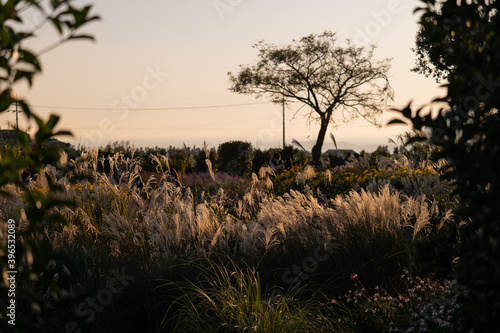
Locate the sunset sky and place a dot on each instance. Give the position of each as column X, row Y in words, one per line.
column 159, row 54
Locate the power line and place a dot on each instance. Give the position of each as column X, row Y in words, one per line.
column 205, row 125
column 187, row 107
column 150, row 109
column 197, row 128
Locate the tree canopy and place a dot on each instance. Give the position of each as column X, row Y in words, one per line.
column 436, row 52
column 461, row 41
column 320, row 74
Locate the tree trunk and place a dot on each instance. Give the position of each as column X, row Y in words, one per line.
column 316, row 150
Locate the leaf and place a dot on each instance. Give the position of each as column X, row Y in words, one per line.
column 5, row 100
column 396, row 121
column 4, row 63
column 52, row 122
column 63, row 133
column 295, row 142
column 24, row 75
column 24, row 107
column 82, row 37
column 333, row 139
column 29, row 58
column 57, row 24
column 56, row 3
column 21, row 136
column 407, row 111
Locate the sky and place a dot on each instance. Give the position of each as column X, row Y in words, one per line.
column 174, row 56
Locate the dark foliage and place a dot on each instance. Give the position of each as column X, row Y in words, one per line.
column 235, row 157
column 467, row 37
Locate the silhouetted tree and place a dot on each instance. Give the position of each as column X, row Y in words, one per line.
column 318, row 73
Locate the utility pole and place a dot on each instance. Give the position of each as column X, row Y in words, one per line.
column 283, row 102
column 17, row 116
column 16, row 111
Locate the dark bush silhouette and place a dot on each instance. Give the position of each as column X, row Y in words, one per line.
column 235, row 157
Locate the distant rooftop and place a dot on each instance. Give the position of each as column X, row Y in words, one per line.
column 9, row 135
column 340, row 152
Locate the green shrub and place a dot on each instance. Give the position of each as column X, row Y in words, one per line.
column 201, row 164
column 235, row 157
column 179, row 161
column 260, row 159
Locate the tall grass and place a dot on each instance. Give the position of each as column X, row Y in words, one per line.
column 233, row 299
column 373, row 229
column 165, row 221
